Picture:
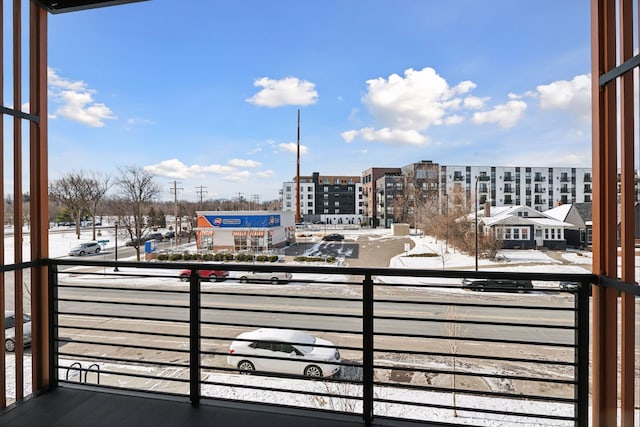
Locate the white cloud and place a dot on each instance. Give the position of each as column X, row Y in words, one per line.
column 288, row 91
column 131, row 122
column 349, row 135
column 217, row 169
column 292, row 148
column 505, row 115
column 266, row 173
column 573, row 95
column 474, row 102
column 404, row 107
column 453, row 120
column 173, row 168
column 237, row 176
column 416, row 101
column 240, row 163
column 410, row 137
column 75, row 101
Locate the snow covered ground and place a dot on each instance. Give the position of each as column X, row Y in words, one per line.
column 512, row 260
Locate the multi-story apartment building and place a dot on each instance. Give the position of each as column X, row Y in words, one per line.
column 541, row 188
column 329, row 199
column 369, row 193
column 390, row 200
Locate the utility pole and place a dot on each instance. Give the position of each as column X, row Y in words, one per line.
column 298, row 174
column 175, row 189
column 255, row 199
column 200, row 191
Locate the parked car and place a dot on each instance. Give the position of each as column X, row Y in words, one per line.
column 170, row 235
column 265, row 276
column 10, row 330
column 216, row 275
column 333, row 237
column 85, row 248
column 153, row 236
column 573, row 286
column 497, row 285
column 283, row 351
column 145, row 238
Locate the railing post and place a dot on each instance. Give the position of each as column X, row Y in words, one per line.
column 582, row 353
column 194, row 338
column 367, row 350
column 53, row 326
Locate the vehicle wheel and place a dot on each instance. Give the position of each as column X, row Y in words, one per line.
column 184, row 277
column 97, row 250
column 243, row 279
column 480, row 288
column 312, row 371
column 81, row 253
column 10, row 345
column 246, row 367
column 520, row 289
column 274, row 281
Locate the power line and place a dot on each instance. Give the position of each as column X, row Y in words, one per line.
column 200, row 191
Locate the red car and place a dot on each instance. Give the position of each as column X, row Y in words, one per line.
column 216, row 275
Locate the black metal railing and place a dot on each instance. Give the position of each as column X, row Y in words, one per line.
column 413, row 343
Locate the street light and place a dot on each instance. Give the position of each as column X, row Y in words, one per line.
column 116, row 231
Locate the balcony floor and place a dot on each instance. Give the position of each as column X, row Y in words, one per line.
column 78, row 406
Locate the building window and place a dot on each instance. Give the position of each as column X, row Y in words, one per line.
column 309, row 196
column 525, row 234
column 516, row 234
column 507, row 234
column 288, row 188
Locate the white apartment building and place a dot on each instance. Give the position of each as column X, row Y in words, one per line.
column 327, row 199
column 541, row 188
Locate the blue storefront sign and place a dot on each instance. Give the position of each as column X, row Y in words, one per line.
column 239, row 221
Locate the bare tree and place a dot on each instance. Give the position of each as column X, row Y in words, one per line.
column 73, row 190
column 136, row 192
column 99, row 185
column 454, row 330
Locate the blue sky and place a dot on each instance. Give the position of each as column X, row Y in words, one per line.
column 207, row 92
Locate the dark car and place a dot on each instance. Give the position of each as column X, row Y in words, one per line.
column 333, row 237
column 217, row 275
column 497, row 285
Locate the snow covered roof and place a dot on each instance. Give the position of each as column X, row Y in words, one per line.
column 521, row 215
column 560, row 212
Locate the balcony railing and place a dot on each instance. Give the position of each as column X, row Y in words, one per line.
column 412, row 342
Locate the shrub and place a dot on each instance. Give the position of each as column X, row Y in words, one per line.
column 229, row 257
column 426, row 254
column 273, row 258
column 261, row 258
column 175, row 257
column 208, row 257
column 163, row 257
